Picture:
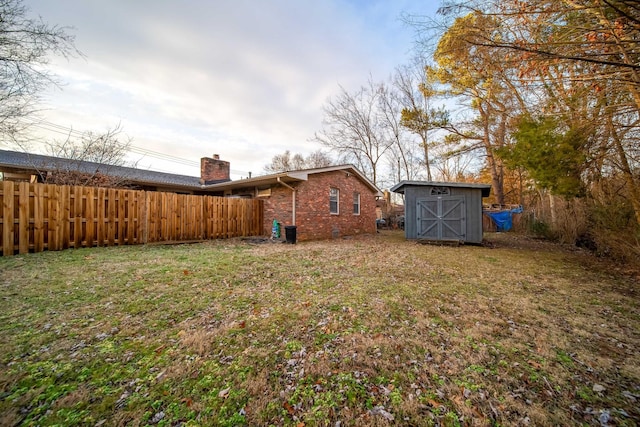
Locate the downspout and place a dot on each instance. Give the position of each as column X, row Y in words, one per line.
column 293, row 190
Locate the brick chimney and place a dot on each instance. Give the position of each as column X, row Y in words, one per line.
column 214, row 170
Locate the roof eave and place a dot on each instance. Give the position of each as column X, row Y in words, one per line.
column 400, row 187
column 287, row 177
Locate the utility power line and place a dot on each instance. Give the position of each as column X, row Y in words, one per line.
column 68, row 131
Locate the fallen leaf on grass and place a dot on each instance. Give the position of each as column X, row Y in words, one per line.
column 288, row 407
column 534, row 364
column 458, row 400
column 434, row 403
column 224, row 393
column 186, row 272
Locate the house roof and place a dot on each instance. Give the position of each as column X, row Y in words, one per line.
column 19, row 161
column 26, row 162
column 290, row 177
column 400, row 187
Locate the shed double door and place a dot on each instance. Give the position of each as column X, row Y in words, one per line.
column 441, row 218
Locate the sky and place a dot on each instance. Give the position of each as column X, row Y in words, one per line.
column 244, row 79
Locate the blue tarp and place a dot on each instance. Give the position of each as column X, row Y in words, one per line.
column 504, row 219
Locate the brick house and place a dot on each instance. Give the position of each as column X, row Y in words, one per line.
column 322, row 203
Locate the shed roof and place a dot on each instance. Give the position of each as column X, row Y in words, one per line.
column 400, row 187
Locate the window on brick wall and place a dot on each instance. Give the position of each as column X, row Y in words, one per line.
column 356, row 203
column 334, row 195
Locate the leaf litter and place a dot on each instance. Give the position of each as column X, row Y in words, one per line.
column 367, row 331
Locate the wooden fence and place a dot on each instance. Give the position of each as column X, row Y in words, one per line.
column 40, row 217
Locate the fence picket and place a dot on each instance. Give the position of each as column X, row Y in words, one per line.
column 7, row 217
column 77, row 217
column 90, row 219
column 63, row 217
column 53, row 201
column 23, row 218
column 38, row 217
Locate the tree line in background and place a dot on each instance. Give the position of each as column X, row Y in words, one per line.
column 553, row 94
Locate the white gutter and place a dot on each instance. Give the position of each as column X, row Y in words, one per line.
column 294, row 199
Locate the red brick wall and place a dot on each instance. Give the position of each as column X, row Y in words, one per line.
column 277, row 206
column 313, row 220
column 214, row 169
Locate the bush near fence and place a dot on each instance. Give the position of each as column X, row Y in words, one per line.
column 39, row 217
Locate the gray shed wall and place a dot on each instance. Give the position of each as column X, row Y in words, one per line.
column 473, row 208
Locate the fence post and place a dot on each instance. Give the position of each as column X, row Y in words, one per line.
column 7, row 218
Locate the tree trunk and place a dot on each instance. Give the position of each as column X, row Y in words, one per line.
column 552, row 211
column 495, row 166
column 425, row 147
column 627, row 173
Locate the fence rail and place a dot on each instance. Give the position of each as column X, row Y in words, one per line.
column 39, row 217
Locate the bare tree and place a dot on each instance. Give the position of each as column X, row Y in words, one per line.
column 452, row 167
column 280, row 163
column 91, row 159
column 354, row 128
column 319, row 159
column 418, row 114
column 402, row 156
column 285, row 162
column 25, row 46
column 108, row 148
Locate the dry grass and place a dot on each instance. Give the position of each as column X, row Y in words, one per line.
column 366, row 331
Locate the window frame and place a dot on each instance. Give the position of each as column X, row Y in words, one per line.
column 332, row 201
column 356, row 203
column 440, row 191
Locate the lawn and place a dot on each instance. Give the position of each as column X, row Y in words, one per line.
column 373, row 330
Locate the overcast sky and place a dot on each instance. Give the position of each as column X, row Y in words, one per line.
column 243, row 79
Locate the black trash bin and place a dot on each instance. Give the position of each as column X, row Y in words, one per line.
column 290, row 234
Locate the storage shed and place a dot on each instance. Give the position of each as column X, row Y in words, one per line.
column 443, row 211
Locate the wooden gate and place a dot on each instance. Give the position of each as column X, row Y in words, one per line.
column 441, row 218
